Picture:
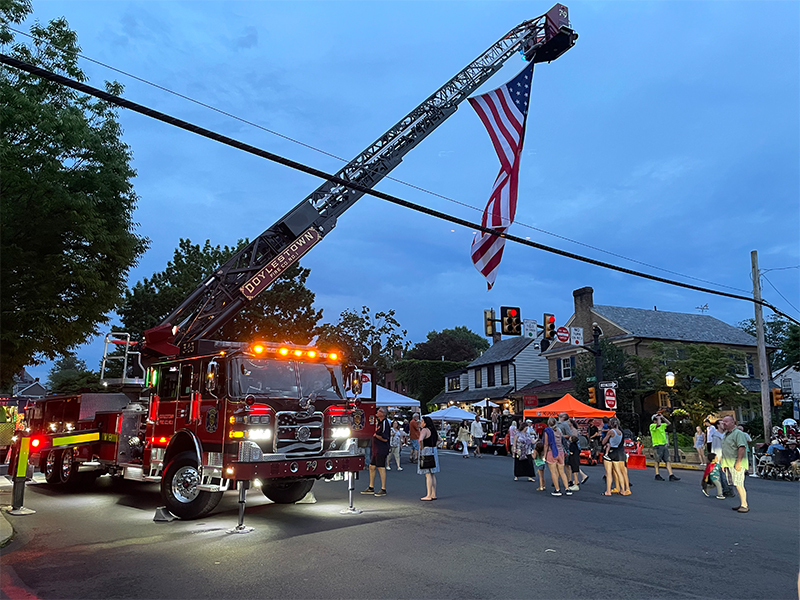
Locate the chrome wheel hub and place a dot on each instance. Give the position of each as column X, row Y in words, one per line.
column 184, row 484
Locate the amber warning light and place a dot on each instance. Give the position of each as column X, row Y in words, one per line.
column 298, row 353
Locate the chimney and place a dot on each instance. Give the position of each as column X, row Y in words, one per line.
column 583, row 301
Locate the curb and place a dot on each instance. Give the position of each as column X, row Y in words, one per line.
column 6, row 530
column 684, row 466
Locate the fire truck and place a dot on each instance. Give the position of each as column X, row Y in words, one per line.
column 200, row 416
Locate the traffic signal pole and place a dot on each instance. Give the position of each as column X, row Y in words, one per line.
column 765, row 376
column 598, row 364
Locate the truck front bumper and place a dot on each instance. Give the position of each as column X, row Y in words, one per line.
column 279, row 465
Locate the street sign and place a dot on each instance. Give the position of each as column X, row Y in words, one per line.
column 608, row 384
column 576, row 335
column 591, row 379
column 530, row 400
column 562, row 333
column 611, row 398
column 530, row 328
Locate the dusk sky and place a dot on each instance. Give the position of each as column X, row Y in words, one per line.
column 667, row 135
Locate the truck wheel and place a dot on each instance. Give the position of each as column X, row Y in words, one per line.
column 51, row 467
column 287, row 492
column 179, row 489
column 68, row 468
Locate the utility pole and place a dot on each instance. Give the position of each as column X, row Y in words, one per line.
column 763, row 366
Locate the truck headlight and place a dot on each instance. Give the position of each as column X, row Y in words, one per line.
column 340, row 432
column 259, row 434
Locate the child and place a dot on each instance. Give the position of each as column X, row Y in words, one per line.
column 712, row 475
column 574, row 459
column 539, row 463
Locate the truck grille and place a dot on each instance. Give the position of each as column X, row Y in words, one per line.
column 298, row 433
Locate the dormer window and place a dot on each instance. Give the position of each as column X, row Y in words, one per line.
column 478, row 378
column 453, row 384
column 490, row 376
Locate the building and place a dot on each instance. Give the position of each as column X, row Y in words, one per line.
column 635, row 329
column 506, row 367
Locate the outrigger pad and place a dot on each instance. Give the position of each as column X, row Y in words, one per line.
column 163, row 515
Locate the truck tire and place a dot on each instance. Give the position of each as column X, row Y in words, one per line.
column 51, row 467
column 287, row 492
column 68, row 467
column 179, row 489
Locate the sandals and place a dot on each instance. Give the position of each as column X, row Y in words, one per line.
column 606, row 494
column 627, row 493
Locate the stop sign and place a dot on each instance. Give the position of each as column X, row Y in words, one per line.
column 562, row 333
column 611, row 398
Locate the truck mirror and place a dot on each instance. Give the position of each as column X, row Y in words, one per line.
column 212, row 373
column 355, row 382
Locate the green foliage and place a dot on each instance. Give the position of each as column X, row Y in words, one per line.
column 776, row 333
column 615, row 368
column 284, row 312
column 368, row 340
column 791, row 346
column 69, row 375
column 67, row 200
column 425, row 378
column 456, row 344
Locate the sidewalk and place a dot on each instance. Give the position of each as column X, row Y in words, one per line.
column 6, row 531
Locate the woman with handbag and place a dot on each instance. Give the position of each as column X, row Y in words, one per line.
column 523, row 465
column 429, row 457
column 463, row 437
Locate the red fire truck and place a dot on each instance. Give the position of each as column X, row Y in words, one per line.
column 211, row 414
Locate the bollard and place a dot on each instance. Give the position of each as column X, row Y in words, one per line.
column 20, row 476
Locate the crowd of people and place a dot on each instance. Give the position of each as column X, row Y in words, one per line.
column 557, row 451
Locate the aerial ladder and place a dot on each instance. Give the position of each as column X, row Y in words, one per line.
column 252, row 269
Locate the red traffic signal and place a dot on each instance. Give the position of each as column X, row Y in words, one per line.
column 549, row 326
column 510, row 321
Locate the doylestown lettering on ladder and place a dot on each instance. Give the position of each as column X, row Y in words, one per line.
column 272, row 270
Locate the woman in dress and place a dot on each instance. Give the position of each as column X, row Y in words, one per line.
column 463, row 437
column 523, row 465
column 554, row 456
column 699, row 443
column 395, row 443
column 428, row 442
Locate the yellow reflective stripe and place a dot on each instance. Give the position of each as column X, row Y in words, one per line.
column 76, row 439
column 22, row 461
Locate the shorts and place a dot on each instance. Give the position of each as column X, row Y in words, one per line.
column 661, row 454
column 618, row 454
column 555, row 459
column 737, row 477
column 540, row 464
column 379, row 458
column 415, row 445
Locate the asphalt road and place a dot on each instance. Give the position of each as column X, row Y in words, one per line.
column 486, row 537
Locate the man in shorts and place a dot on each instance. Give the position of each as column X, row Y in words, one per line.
column 413, row 436
column 734, row 459
column 658, row 433
column 477, row 435
column 380, row 452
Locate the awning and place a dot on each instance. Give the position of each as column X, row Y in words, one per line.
column 568, row 404
column 485, row 404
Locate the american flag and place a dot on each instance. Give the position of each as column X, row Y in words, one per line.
column 503, row 112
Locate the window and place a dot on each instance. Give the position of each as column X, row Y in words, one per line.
column 453, row 384
column 186, row 380
column 663, row 400
column 168, row 382
column 490, row 376
column 565, row 367
column 478, row 378
column 503, row 374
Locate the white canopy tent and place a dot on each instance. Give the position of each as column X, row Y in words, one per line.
column 485, row 404
column 386, row 397
column 452, row 413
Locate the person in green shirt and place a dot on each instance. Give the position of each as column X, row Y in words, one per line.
column 658, row 433
column 734, row 459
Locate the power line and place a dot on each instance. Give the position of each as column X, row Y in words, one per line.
column 185, row 125
column 779, row 292
column 329, row 154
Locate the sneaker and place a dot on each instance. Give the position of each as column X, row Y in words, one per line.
column 705, row 493
column 369, row 490
column 673, row 478
column 568, row 492
column 399, row 468
column 659, row 478
column 380, row 493
column 719, row 497
column 515, row 478
column 388, row 468
column 574, row 488
column 555, row 493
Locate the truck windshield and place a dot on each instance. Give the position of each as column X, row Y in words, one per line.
column 287, row 379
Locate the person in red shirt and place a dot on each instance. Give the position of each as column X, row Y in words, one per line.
column 413, row 434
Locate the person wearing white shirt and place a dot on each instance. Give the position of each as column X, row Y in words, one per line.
column 716, row 436
column 477, row 435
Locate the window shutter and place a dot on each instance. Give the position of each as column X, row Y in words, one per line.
column 572, row 364
column 558, row 368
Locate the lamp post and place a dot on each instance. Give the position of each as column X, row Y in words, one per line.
column 670, row 377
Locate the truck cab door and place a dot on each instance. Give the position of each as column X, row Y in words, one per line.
column 184, row 396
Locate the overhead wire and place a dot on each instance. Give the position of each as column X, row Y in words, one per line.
column 185, row 125
column 396, row 180
column 779, row 292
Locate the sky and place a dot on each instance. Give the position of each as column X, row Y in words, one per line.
column 668, row 135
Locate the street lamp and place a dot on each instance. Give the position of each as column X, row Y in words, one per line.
column 670, row 377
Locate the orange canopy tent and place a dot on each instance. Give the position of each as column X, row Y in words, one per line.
column 568, row 404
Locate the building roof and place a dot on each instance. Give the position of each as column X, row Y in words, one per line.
column 683, row 327
column 502, row 351
column 474, row 395
column 538, row 387
column 751, row 384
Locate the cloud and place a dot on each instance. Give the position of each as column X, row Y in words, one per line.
column 249, row 39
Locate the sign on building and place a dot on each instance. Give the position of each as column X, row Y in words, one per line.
column 576, row 336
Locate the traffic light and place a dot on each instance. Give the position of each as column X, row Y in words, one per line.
column 549, row 326
column 488, row 322
column 777, row 396
column 510, row 320
column 592, row 397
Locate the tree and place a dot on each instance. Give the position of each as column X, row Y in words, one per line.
column 791, row 346
column 284, row 312
column 69, row 375
column 458, row 344
column 369, row 340
column 776, row 333
column 67, row 235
